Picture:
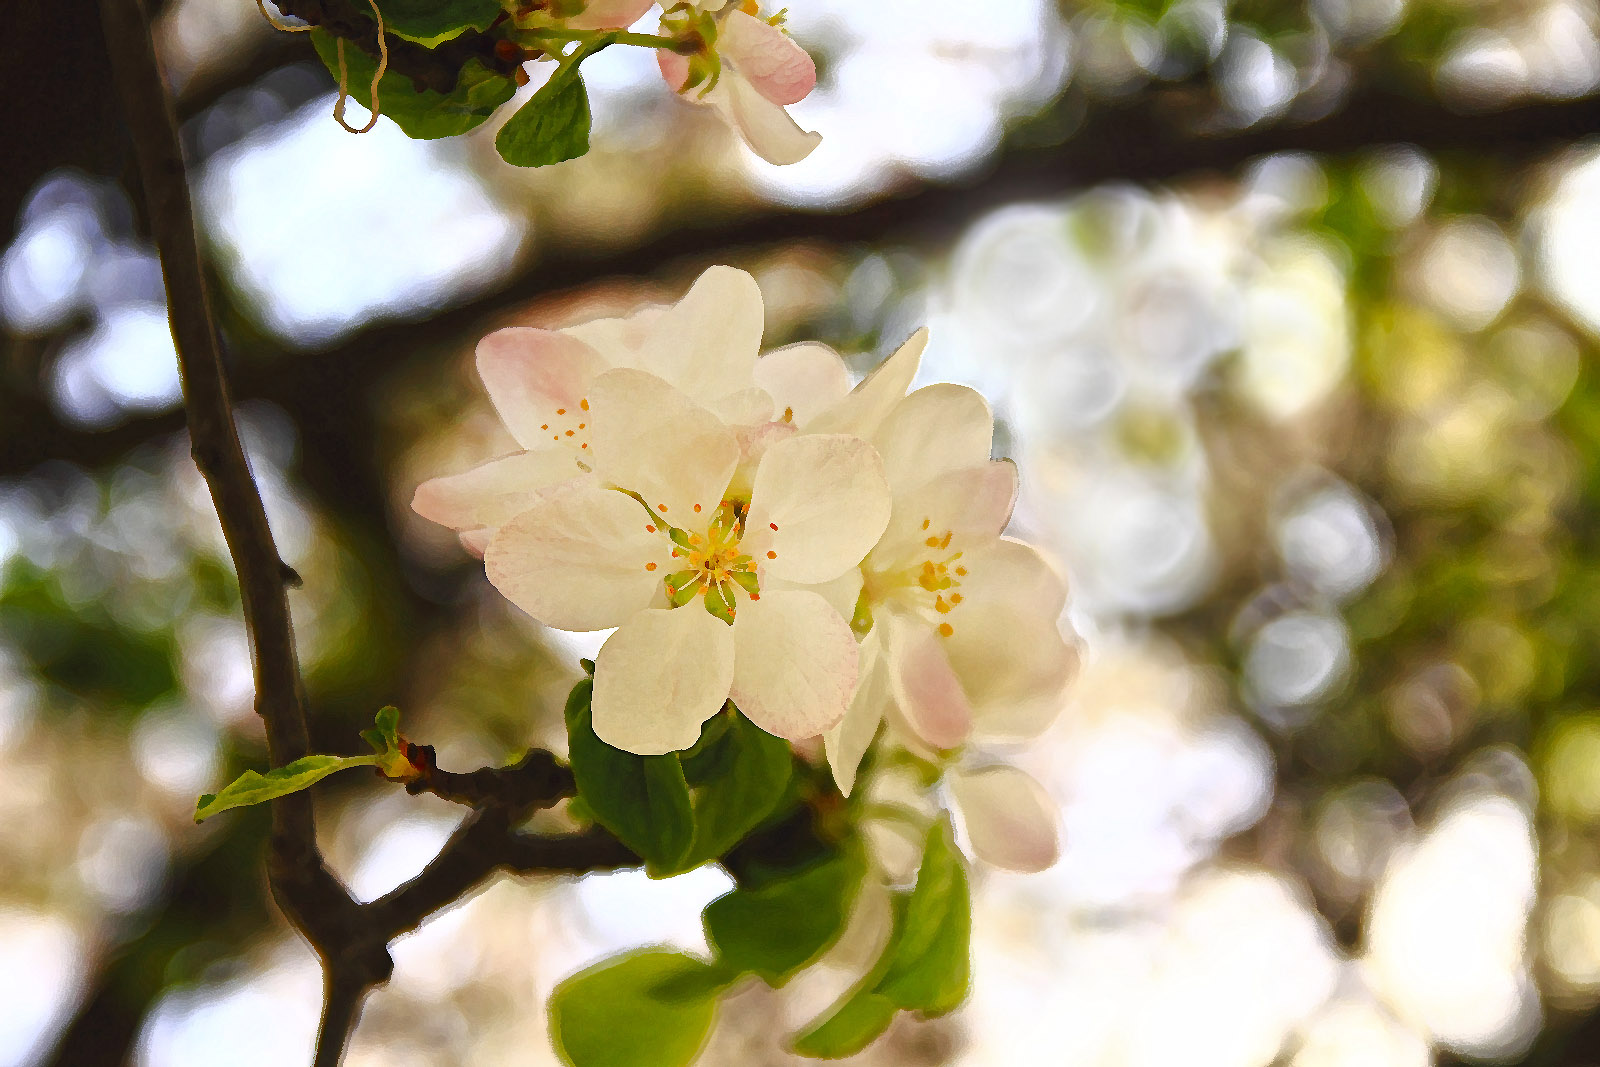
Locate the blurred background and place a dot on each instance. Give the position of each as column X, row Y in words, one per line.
column 1288, row 312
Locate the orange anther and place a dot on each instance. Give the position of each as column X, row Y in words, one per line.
column 561, row 411
column 945, row 629
column 649, row 529
column 772, row 555
column 649, row 566
column 661, row 507
column 584, row 403
column 697, row 507
column 569, row 433
column 773, row 525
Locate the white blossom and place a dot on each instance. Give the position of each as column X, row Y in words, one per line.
column 761, row 70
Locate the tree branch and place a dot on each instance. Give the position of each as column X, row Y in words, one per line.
column 351, row 940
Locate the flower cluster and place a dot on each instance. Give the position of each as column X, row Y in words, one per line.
column 830, row 559
column 724, row 54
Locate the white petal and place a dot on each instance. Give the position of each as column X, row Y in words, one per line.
column 530, row 375
column 848, row 742
column 936, row 429
column 776, row 67
column 1012, row 572
column 818, row 505
column 579, row 558
column 926, row 687
column 803, row 379
column 660, row 677
column 619, row 341
column 749, row 407
column 650, row 439
column 488, row 495
column 706, row 344
column 972, row 505
column 863, row 411
column 766, row 127
column 1014, row 666
column 1011, row 821
column 841, row 593
column 795, row 667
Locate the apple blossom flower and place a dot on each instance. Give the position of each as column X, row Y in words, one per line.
column 961, row 640
column 756, row 69
column 717, row 591
column 705, row 346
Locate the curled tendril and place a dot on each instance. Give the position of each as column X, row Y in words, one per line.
column 377, row 76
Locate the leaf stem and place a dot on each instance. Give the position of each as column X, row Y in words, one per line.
column 639, row 40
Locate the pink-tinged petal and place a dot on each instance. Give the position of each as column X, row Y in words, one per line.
column 660, row 677
column 476, row 541
column 532, row 374
column 818, row 505
column 770, row 60
column 803, row 380
column 1014, row 666
column 610, row 15
column 848, row 742
column 925, row 685
column 795, row 665
column 674, row 68
column 488, row 495
column 766, row 127
column 936, row 429
column 706, row 344
column 650, row 439
column 580, row 558
column 1010, row 820
column 971, row 505
column 863, row 411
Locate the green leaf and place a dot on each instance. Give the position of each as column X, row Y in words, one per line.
column 424, row 114
column 849, row 1028
column 776, row 930
column 644, row 800
column 553, row 126
column 859, row 1016
column 253, row 788
column 431, row 22
column 644, row 1009
column 740, row 776
column 931, row 967
column 926, row 965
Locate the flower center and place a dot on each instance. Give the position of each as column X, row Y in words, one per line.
column 930, row 583
column 715, row 569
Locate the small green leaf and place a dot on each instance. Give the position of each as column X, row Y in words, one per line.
column 931, row 968
column 740, row 776
column 644, row 1009
column 553, row 126
column 254, row 788
column 644, row 800
column 776, row 930
column 424, row 114
column 849, row 1028
column 431, row 22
